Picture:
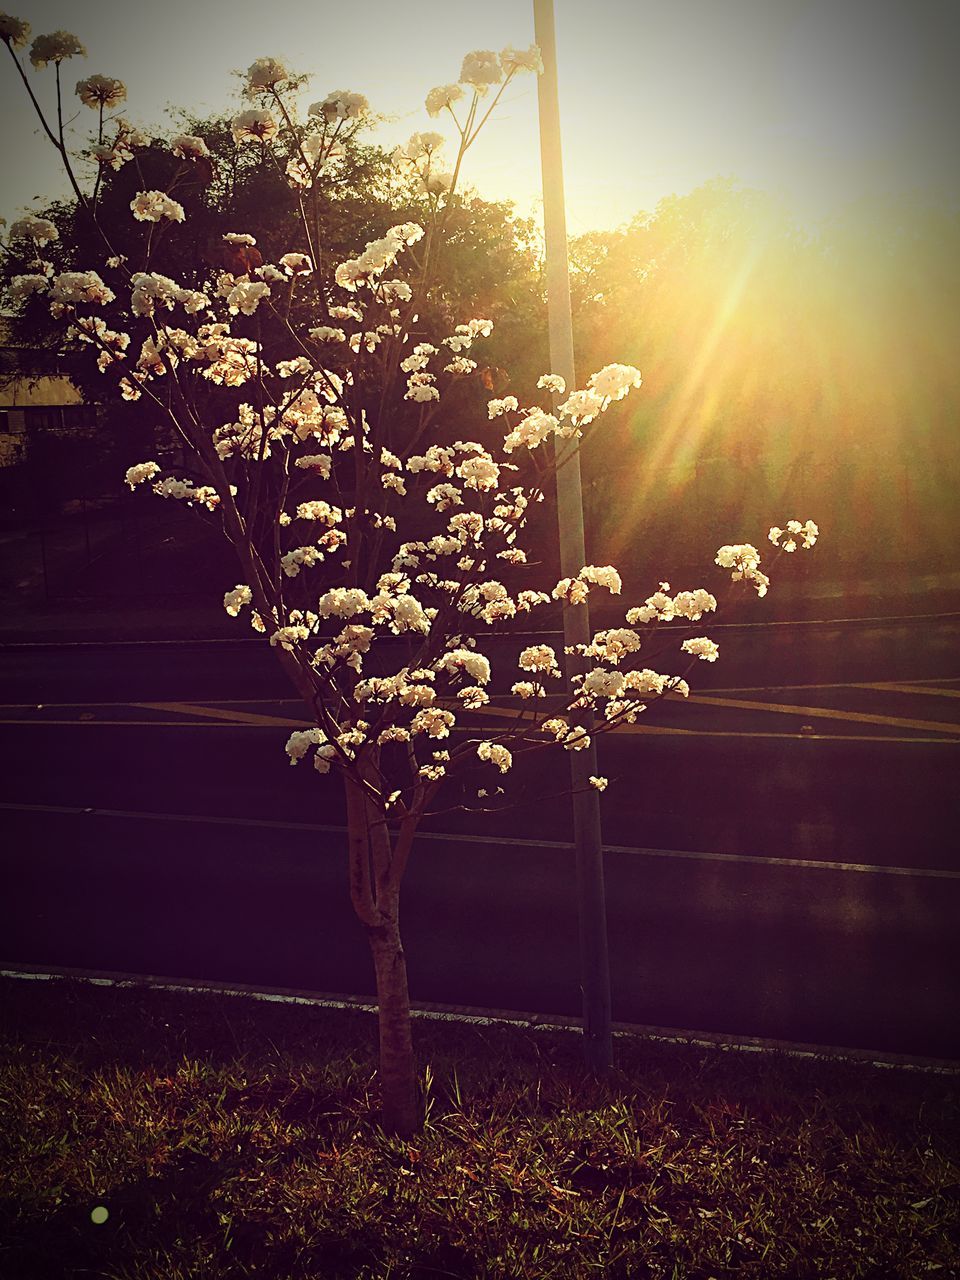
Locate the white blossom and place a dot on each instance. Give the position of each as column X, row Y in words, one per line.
column 288, row 637
column 233, row 601
column 319, row 510
column 539, row 657
column 300, row 742
column 552, row 382
column 80, row 286
column 419, row 145
column 246, row 296
column 496, row 408
column 603, row 576
column 343, row 602
column 187, row 146
column 479, row 472
column 601, row 683
column 253, row 126
column 744, row 560
column 300, row 558
column 143, row 471
column 341, row 104
column 527, row 689
column 153, row 206
column 14, row 30
column 30, row 227
column 613, row 381
column 476, row 665
column 420, row 392
column 645, row 681
column 701, row 647
column 496, row 754
column 512, row 60
column 531, row 431
column 572, row 590
column 443, row 96
column 473, row 697
column 101, row 91
column 296, row 264
column 693, row 604
column 321, row 463
column 326, row 333
column 480, row 70
column 807, row 533
column 582, row 407
column 612, row 645
column 24, row 286
column 263, row 75
column 54, row 48
column 130, row 138
column 435, row 722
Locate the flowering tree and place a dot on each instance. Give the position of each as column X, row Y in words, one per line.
column 378, row 543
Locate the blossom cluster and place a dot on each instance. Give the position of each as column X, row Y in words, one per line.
column 419, row 158
column 101, row 91
column 155, row 206
column 54, row 48
column 480, row 70
column 14, row 31
column 376, row 554
column 127, row 142
column 41, row 230
column 365, row 270
column 787, row 539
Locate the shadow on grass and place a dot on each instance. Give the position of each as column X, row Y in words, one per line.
column 170, row 1226
column 229, row 1139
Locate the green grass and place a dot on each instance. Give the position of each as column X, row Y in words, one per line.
column 232, row 1138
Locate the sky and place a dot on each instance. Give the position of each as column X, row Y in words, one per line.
column 822, row 102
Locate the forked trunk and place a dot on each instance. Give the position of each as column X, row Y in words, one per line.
column 398, row 1076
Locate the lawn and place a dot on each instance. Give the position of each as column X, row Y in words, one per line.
column 227, row 1137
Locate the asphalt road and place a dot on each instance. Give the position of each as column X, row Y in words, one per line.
column 781, row 857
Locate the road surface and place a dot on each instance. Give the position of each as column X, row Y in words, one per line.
column 780, row 854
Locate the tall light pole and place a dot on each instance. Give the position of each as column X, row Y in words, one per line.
column 594, row 962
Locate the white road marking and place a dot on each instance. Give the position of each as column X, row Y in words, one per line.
column 486, row 1017
column 810, row 864
column 218, row 713
column 931, row 689
column 825, row 713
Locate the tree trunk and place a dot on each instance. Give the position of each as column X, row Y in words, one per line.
column 376, row 868
column 398, row 1076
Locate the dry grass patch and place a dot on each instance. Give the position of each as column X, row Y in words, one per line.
column 231, row 1138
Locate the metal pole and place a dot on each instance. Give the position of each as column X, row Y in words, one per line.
column 594, row 962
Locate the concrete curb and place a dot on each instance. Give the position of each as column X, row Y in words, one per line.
column 488, row 1017
column 128, row 641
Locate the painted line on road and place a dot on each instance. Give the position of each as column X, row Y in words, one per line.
column 219, row 713
column 267, row 722
column 922, row 684
column 796, row 735
column 837, row 684
column 932, row 689
column 894, row 619
column 147, row 724
column 749, row 859
column 538, row 1022
column 827, row 713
